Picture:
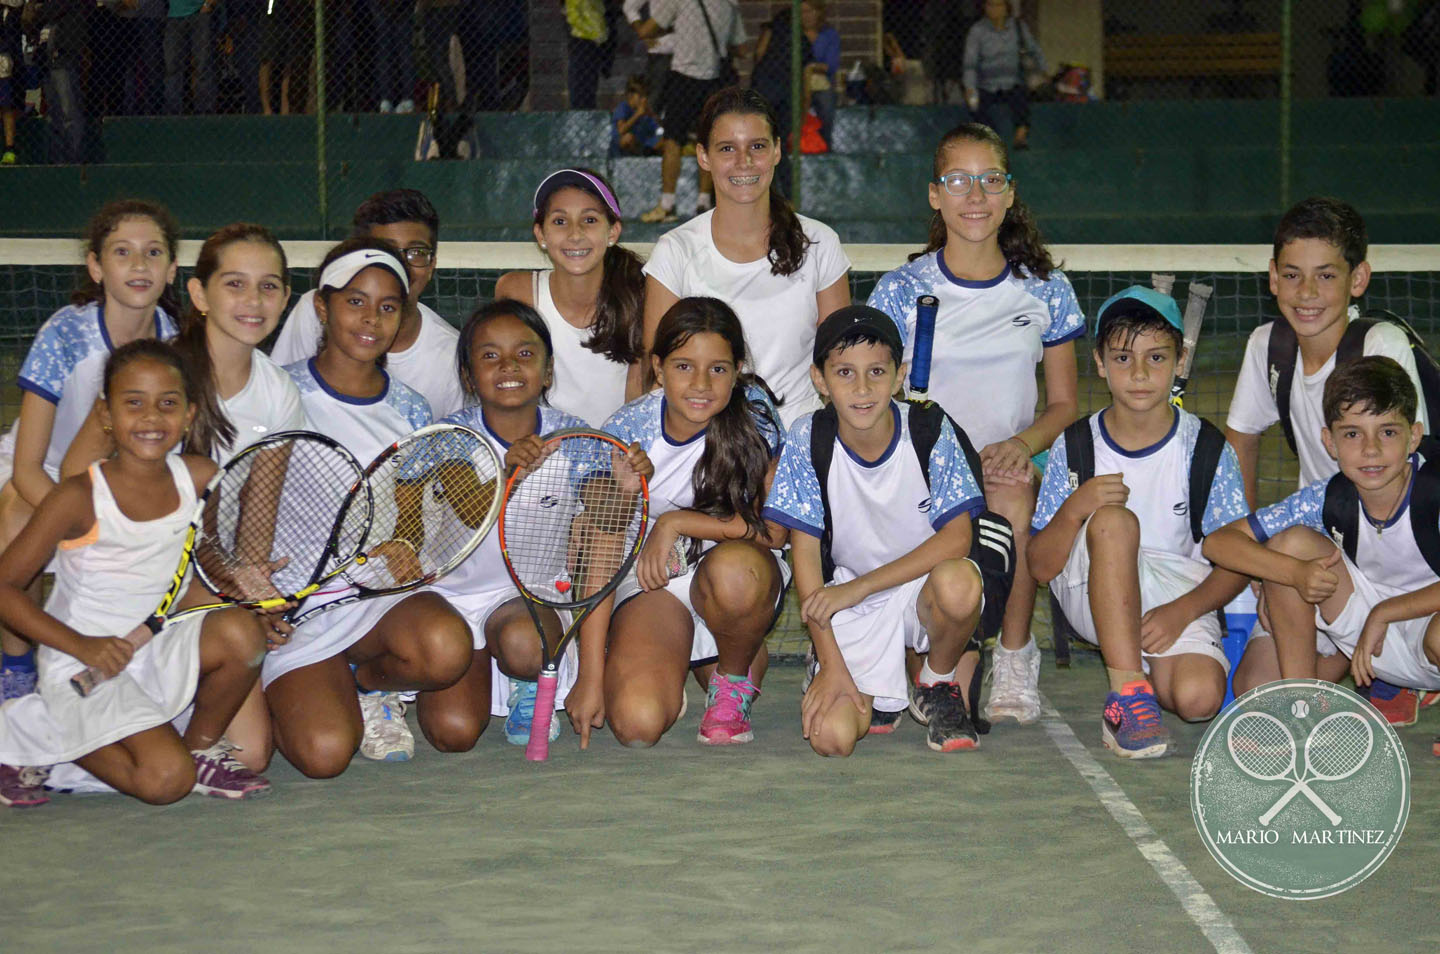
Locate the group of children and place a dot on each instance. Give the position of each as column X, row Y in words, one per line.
column 764, row 406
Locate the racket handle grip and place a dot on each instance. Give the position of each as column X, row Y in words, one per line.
column 538, row 748
column 85, row 682
column 926, row 307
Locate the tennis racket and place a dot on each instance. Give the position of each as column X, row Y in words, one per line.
column 570, row 527
column 926, row 307
column 1335, row 749
column 428, row 501
column 233, row 543
column 1196, row 300
column 1162, row 282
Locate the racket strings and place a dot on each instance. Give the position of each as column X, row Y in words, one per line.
column 1339, row 750
column 1262, row 747
column 569, row 524
column 267, row 523
column 431, row 497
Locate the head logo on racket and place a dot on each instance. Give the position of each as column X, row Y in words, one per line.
column 1300, row 789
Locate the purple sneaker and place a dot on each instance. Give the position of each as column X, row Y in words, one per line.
column 15, row 683
column 727, row 710
column 21, row 787
column 219, row 773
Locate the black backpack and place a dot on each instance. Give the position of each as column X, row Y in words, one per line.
column 1281, row 355
column 1209, row 445
column 1341, row 514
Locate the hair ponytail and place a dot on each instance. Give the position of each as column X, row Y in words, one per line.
column 729, row 479
column 788, row 241
column 1019, row 237
column 619, row 308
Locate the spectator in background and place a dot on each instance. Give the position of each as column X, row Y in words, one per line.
column 394, row 61
column 822, row 65
column 634, row 129
column 659, row 50
column 286, row 39
column 441, row 21
column 62, row 26
column 707, row 33
column 187, row 38
column 588, row 33
column 820, row 55
column 999, row 52
column 12, row 73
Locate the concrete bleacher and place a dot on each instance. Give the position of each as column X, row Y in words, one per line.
column 1104, row 172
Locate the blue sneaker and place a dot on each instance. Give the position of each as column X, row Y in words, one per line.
column 522, row 712
column 15, row 683
column 1131, row 724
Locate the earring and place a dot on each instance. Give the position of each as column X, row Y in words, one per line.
column 107, row 429
column 610, row 244
column 544, row 247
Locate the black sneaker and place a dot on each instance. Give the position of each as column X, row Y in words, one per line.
column 884, row 723
column 941, row 710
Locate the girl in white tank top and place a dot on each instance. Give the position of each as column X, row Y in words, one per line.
column 120, row 530
column 592, row 297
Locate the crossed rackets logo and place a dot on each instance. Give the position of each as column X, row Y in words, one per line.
column 1336, row 748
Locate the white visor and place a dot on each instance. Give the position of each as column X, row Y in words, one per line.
column 339, row 272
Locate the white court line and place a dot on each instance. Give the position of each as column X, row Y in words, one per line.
column 1198, row 905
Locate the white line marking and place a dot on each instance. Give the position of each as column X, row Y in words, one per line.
column 1198, row 905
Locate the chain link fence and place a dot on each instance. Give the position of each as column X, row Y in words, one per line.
column 1142, row 121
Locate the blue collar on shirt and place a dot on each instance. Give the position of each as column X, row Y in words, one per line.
column 485, row 422
column 894, row 442
column 346, row 398
column 964, row 282
column 1144, row 451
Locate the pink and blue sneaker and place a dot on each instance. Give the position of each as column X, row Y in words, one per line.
column 1131, row 725
column 727, row 710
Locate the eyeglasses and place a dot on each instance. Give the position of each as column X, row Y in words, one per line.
column 418, row 255
column 960, row 183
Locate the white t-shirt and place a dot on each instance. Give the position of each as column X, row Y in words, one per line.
column 985, row 332
column 363, row 426
column 268, row 402
column 66, row 366
column 694, row 51
column 1253, row 407
column 427, row 366
column 587, row 384
column 778, row 312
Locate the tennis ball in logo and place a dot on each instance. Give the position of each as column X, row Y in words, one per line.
column 1300, row 709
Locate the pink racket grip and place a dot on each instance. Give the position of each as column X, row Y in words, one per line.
column 538, row 748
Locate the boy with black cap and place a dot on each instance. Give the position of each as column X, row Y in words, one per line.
column 1115, row 538
column 914, row 562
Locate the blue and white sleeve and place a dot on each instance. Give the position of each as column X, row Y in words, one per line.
column 1067, row 321
column 794, row 499
column 767, row 419
column 637, row 422
column 953, row 487
column 1227, row 494
column 1304, row 508
column 894, row 295
column 1054, row 488
column 49, row 362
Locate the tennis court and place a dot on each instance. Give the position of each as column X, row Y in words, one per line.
column 1038, row 841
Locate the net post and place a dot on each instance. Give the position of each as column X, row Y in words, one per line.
column 322, row 190
column 797, row 104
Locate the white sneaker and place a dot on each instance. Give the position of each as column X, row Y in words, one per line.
column 405, row 106
column 387, row 737
column 660, row 214
column 385, row 106
column 1015, row 692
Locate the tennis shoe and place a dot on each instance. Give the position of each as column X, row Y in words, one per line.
column 8, row 158
column 22, row 787
column 387, row 737
column 15, row 683
column 1398, row 706
column 219, row 773
column 1015, row 690
column 522, row 713
column 727, row 710
column 884, row 723
column 945, row 716
column 1130, row 725
column 660, row 214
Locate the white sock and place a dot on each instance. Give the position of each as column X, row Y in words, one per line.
column 667, row 201
column 1028, row 648
column 704, row 201
column 929, row 677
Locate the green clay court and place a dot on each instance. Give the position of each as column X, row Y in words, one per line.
column 1038, row 841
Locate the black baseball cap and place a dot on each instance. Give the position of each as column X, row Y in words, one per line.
column 856, row 319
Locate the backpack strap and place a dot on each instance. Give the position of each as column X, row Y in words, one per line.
column 1426, row 368
column 1280, row 371
column 1079, row 452
column 1425, row 503
column 1352, row 342
column 1204, row 462
column 824, row 428
column 925, row 419
column 1341, row 513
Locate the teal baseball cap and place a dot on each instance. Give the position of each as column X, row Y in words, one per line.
column 1139, row 301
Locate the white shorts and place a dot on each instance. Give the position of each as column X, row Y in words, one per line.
column 1402, row 661
column 1164, row 577
column 327, row 634
column 702, row 645
column 477, row 608
column 55, row 724
column 873, row 636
